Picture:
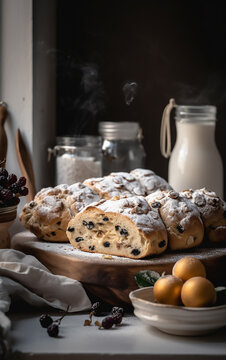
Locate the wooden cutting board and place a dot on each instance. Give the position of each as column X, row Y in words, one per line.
column 112, row 279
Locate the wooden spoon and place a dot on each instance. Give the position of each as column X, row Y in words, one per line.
column 25, row 164
column 3, row 136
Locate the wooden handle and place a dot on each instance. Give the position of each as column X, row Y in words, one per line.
column 3, row 136
column 25, row 164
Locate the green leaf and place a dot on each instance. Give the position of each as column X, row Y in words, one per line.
column 146, row 278
column 221, row 295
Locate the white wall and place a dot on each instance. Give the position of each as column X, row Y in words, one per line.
column 27, row 81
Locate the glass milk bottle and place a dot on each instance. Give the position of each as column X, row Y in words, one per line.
column 195, row 161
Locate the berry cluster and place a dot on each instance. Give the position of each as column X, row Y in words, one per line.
column 11, row 188
column 115, row 318
column 52, row 327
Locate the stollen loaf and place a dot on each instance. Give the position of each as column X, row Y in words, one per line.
column 213, row 212
column 120, row 226
column 181, row 217
column 47, row 216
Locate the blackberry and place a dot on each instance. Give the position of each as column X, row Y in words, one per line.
column 53, row 330
column 117, row 318
column 107, row 322
column 3, row 172
column 12, row 179
column 97, row 308
column 116, row 310
column 3, row 181
column 23, row 191
column 14, row 188
column 45, row 320
column 22, row 181
column 6, row 195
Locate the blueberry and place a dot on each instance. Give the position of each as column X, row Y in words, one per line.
column 156, row 204
column 78, row 239
column 162, row 243
column 117, row 227
column 59, row 223
column 106, row 244
column 180, row 229
column 135, row 252
column 45, row 320
column 71, row 229
column 53, row 330
column 84, row 223
column 90, row 225
column 92, row 248
column 105, row 218
column 53, row 233
column 124, row 232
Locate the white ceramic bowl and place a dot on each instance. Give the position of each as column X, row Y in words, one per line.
column 177, row 320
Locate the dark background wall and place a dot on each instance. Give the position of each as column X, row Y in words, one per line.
column 169, row 48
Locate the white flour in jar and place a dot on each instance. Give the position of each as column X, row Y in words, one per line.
column 71, row 169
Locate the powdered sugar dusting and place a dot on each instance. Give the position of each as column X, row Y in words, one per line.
column 137, row 209
column 116, row 184
column 174, row 209
column 208, row 203
column 150, row 181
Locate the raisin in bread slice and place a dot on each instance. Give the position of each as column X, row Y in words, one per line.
column 47, row 216
column 116, row 184
column 150, row 181
column 181, row 218
column 125, row 227
column 213, row 212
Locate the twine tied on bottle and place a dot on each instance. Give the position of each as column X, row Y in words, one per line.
column 165, row 135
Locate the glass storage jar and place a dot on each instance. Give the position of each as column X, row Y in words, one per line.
column 121, row 146
column 77, row 158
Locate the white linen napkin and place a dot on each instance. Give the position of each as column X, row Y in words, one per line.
column 25, row 277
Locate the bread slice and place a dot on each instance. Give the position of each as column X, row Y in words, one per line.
column 124, row 227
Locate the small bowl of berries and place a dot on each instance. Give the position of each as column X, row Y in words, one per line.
column 11, row 189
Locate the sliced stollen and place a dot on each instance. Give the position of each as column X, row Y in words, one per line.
column 212, row 210
column 47, row 216
column 181, row 218
column 150, row 181
column 125, row 227
column 116, row 184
